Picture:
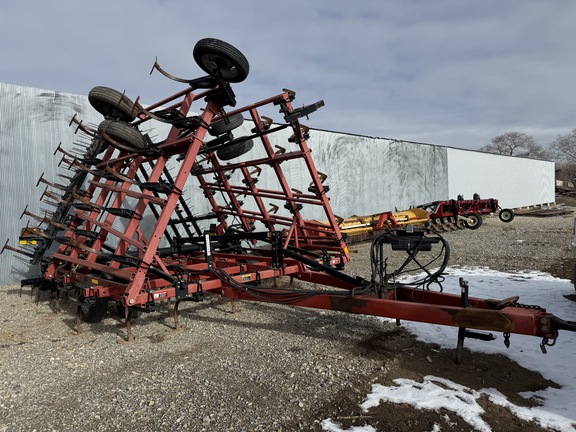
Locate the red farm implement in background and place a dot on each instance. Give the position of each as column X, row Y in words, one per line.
column 123, row 232
column 461, row 213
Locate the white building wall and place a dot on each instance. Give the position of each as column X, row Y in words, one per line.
column 366, row 175
column 515, row 182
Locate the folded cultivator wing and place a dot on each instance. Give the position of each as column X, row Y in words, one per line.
column 123, row 228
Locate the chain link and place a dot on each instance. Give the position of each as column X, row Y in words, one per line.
column 520, row 305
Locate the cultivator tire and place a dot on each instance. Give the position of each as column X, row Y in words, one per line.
column 112, row 104
column 123, row 133
column 235, row 150
column 474, row 221
column 92, row 312
column 506, row 215
column 219, row 58
column 221, row 126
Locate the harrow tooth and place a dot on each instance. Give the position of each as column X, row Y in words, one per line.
column 16, row 250
column 80, row 126
column 47, row 213
column 52, row 203
column 79, row 149
column 69, row 162
column 32, row 215
column 65, row 176
column 61, row 150
column 55, row 224
column 53, row 196
column 52, row 184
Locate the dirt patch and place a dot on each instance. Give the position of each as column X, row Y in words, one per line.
column 563, row 268
column 406, row 358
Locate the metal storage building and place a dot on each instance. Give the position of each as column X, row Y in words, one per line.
column 366, row 175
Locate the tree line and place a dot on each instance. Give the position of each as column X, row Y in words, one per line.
column 562, row 151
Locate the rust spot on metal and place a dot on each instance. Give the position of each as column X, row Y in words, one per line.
column 483, row 320
column 348, row 304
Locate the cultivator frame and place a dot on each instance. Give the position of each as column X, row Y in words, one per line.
column 98, row 244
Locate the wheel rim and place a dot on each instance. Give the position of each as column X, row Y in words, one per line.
column 473, row 221
column 217, row 63
column 108, row 110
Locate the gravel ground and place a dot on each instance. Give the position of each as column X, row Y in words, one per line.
column 236, row 367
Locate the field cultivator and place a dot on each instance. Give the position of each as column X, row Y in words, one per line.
column 123, row 232
column 460, row 213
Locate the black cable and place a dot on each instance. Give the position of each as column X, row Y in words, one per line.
column 282, row 297
column 380, row 275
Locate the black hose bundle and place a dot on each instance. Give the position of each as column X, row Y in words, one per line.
column 420, row 258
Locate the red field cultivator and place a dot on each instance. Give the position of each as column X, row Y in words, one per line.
column 461, row 213
column 123, row 232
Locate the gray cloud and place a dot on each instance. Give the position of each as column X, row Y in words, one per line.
column 448, row 72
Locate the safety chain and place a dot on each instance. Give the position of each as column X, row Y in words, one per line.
column 520, row 305
column 548, row 341
column 507, row 339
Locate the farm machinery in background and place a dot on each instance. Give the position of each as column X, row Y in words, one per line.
column 360, row 228
column 439, row 215
column 461, row 213
column 122, row 232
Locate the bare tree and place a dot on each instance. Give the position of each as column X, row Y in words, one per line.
column 516, row 144
column 563, row 149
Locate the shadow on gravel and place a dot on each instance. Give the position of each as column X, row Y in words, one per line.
column 331, row 326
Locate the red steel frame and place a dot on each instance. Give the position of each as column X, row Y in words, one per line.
column 152, row 276
column 453, row 208
column 135, row 291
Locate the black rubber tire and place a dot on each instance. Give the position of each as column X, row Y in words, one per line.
column 506, row 215
column 233, row 151
column 132, row 312
column 216, row 57
column 112, row 104
column 221, row 126
column 476, row 221
column 123, row 133
column 93, row 312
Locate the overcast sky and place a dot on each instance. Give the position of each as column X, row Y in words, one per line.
column 450, row 72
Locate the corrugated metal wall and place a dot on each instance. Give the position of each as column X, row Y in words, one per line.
column 32, row 123
column 366, row 175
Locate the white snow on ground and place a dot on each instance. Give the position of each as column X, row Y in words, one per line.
column 558, row 410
